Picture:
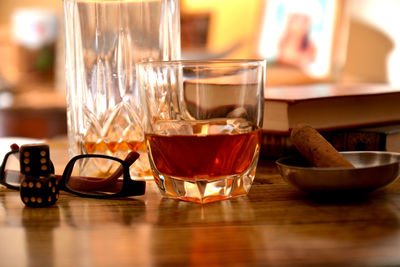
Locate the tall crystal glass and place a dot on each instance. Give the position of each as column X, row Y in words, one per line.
column 203, row 126
column 103, row 41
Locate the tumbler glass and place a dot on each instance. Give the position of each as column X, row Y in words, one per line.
column 103, row 41
column 203, row 125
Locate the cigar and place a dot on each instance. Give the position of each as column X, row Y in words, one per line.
column 316, row 149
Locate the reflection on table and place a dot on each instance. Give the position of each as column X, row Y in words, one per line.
column 275, row 224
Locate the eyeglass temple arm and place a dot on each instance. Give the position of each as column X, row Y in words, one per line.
column 14, row 149
column 92, row 183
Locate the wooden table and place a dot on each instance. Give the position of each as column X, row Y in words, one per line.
column 274, row 225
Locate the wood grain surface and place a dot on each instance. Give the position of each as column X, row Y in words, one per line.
column 274, row 225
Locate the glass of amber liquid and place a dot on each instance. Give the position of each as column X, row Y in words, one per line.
column 202, row 125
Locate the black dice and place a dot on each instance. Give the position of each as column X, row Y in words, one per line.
column 39, row 188
column 39, row 191
column 35, row 160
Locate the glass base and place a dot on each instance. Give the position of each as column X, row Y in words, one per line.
column 205, row 191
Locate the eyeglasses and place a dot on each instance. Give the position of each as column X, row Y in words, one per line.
column 100, row 176
column 88, row 175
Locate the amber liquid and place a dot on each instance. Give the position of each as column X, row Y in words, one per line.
column 122, row 148
column 207, row 157
column 93, row 147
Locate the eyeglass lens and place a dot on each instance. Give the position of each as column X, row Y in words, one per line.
column 12, row 174
column 96, row 176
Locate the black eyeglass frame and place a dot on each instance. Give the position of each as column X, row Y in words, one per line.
column 129, row 187
column 2, row 170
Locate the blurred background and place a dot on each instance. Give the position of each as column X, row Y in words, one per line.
column 341, row 41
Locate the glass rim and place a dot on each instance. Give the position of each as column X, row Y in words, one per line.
column 204, row 62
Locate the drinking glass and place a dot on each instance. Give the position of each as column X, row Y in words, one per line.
column 202, row 125
column 103, row 41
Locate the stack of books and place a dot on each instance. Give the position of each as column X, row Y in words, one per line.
column 352, row 117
